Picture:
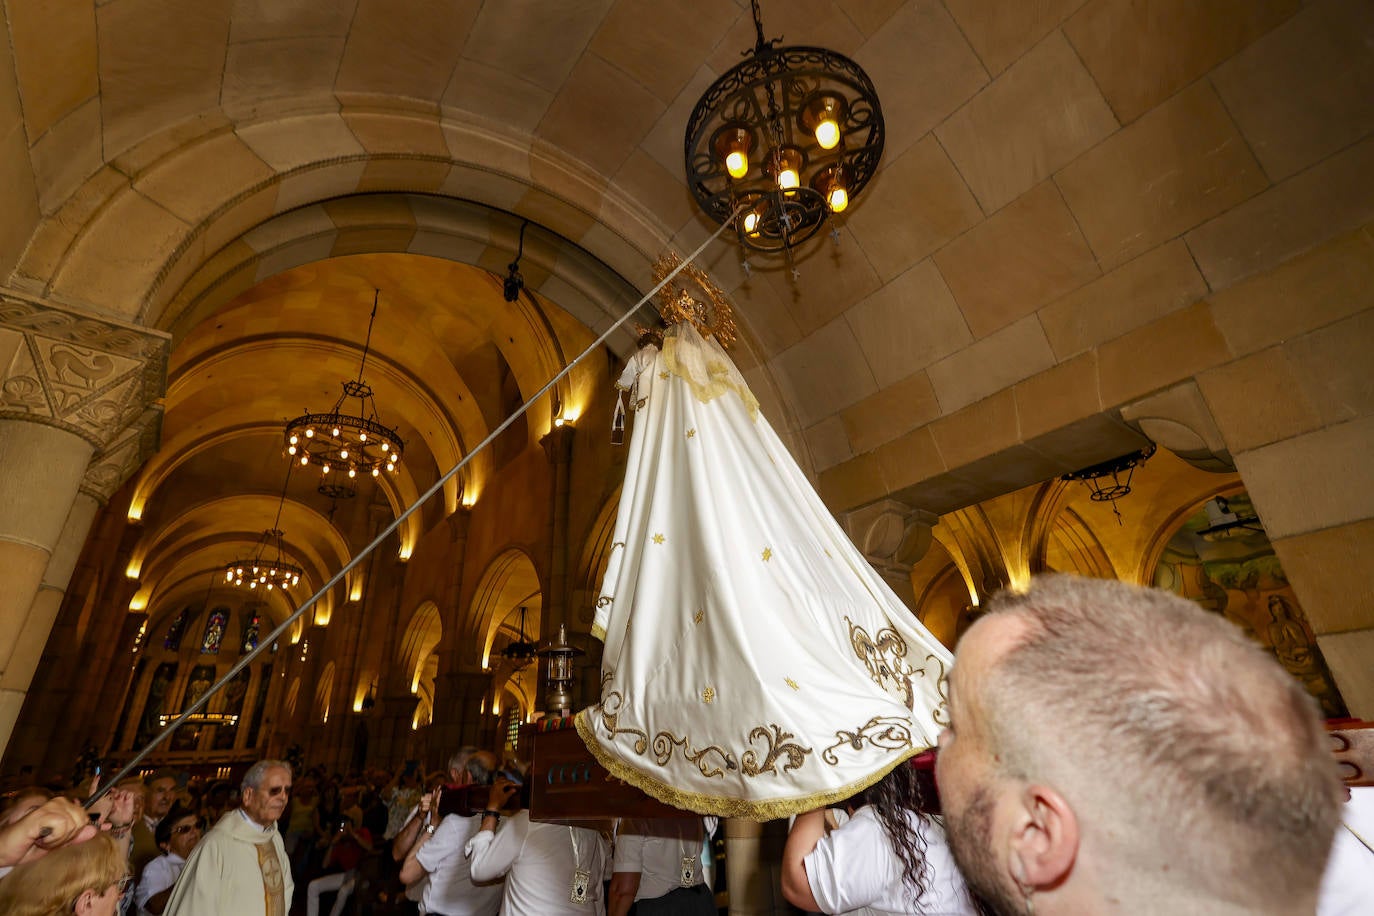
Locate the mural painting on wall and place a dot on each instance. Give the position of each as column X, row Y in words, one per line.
column 188, row 736
column 232, row 699
column 259, row 704
column 252, row 623
column 1221, row 558
column 172, row 641
column 148, row 725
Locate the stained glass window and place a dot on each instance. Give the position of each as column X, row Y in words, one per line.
column 214, row 631
column 172, row 640
column 252, row 622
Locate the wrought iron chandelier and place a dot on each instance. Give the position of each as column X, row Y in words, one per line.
column 1104, row 479
column 786, row 138
column 345, row 444
column 522, row 650
column 267, row 566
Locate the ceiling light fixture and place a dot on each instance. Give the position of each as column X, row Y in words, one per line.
column 522, row 650
column 515, row 282
column 1104, row 480
column 791, row 136
column 346, row 445
column 267, row 567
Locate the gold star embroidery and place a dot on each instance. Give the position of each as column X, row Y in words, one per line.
column 791, row 683
column 699, row 616
column 691, row 433
column 659, row 539
column 663, row 375
column 767, row 554
column 828, row 554
column 708, row 695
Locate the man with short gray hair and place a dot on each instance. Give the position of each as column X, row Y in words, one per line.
column 240, row 867
column 1119, row 749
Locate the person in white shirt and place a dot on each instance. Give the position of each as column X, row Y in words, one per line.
column 888, row 857
column 1347, row 887
column 657, row 869
column 178, row 832
column 550, row 869
column 437, row 857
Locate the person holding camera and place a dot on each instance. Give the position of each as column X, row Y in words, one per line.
column 442, row 828
column 347, row 847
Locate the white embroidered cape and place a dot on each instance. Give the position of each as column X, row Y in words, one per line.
column 755, row 665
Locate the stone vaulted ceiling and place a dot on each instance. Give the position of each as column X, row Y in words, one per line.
column 1073, row 197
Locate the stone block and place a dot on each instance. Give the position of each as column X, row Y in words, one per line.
column 980, row 429
column 1347, row 656
column 1058, row 396
column 853, row 483
column 827, row 443
column 157, row 70
column 1334, row 196
column 67, row 155
column 492, row 93
column 423, row 176
column 882, row 417
column 593, row 88
column 19, row 198
column 992, row 364
column 1142, row 53
column 412, row 135
column 908, row 324
column 1032, row 120
column 294, row 72
column 915, row 204
column 659, row 192
column 1322, row 286
column 1001, row 32
column 910, row 459
column 1151, row 286
column 1143, row 186
column 1306, row 89
column 832, row 277
column 548, row 43
column 660, row 45
column 1317, row 480
column 405, row 48
column 1258, row 399
column 824, row 373
column 54, row 59
column 196, row 183
column 292, row 143
column 1160, row 353
column 922, row 67
column 1029, row 253
column 1329, row 569
column 1334, row 366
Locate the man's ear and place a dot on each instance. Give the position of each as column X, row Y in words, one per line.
column 1043, row 840
column 85, row 903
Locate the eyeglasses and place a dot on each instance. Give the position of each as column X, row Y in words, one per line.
column 185, row 828
column 123, row 884
column 274, row 791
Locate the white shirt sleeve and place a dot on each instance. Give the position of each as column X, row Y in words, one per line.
column 491, row 855
column 448, row 840
column 850, row 868
column 629, row 853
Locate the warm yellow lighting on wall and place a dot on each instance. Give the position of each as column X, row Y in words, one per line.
column 358, row 704
column 404, row 552
column 132, row 570
column 322, row 615
column 356, row 592
column 138, row 602
column 136, row 510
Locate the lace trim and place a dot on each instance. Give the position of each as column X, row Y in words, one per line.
column 708, row 375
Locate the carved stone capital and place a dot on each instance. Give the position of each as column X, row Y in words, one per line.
column 90, row 375
column 891, row 533
column 125, row 454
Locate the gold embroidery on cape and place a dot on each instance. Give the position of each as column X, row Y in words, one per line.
column 791, row 683
column 610, row 719
column 273, row 883
column 778, row 746
column 692, row 433
column 666, row 742
column 882, row 656
column 941, row 712
column 617, row 544
column 888, row 733
column 663, row 375
column 604, row 600
column 708, row 695
column 767, row 554
column 711, row 318
column 699, row 616
column 658, row 539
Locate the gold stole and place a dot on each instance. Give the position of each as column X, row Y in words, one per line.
column 273, row 883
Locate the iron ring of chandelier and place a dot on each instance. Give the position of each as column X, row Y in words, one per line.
column 257, row 570
column 348, row 442
column 792, row 134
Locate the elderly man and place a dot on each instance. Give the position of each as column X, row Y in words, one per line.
column 240, row 868
column 157, row 792
column 435, row 855
column 1114, row 749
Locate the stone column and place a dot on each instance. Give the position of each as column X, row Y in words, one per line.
column 558, row 445
column 893, row 537
column 753, row 866
column 71, row 386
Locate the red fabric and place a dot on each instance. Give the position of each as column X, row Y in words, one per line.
column 347, row 852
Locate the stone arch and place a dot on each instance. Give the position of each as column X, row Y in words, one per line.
column 422, row 636
column 292, row 694
column 596, row 554
column 509, row 581
column 324, row 694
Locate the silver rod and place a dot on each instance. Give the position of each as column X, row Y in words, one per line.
column 387, row 532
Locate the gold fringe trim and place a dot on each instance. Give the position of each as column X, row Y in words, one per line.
column 719, row 805
column 599, row 632
column 717, row 384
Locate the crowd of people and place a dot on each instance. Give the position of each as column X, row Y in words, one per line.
column 1111, row 749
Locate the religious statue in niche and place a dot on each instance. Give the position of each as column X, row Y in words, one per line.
column 232, row 699
column 188, row 736
column 214, row 631
column 148, row 725
column 1232, row 570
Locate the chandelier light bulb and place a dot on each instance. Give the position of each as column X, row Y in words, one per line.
column 269, row 586
column 291, row 450
column 375, row 472
column 255, row 570
column 336, row 432
column 751, row 221
column 386, row 447
column 295, row 439
column 309, row 434
column 828, row 134
column 325, row 469
column 305, row 459
column 343, row 455
column 240, row 572
column 362, row 437
column 352, row 473
column 228, row 575
column 253, row 583
column 737, row 164
column 391, row 467
column 838, row 199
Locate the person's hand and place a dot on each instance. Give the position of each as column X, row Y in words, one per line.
column 502, row 790
column 123, row 809
column 55, row 823
column 426, row 802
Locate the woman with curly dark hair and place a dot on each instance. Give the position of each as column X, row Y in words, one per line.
column 888, row 858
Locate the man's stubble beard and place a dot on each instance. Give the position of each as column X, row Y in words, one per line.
column 970, row 840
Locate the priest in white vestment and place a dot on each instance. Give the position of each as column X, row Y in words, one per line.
column 240, row 867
